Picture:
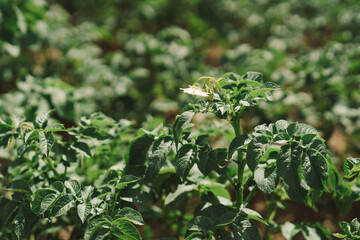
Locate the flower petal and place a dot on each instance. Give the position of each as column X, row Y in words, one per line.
column 195, row 91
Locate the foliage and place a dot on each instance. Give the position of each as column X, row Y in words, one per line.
column 351, row 231
column 67, row 167
column 52, row 185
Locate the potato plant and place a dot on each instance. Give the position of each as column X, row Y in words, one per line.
column 57, row 182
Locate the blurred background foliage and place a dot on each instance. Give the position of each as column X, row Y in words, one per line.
column 128, row 59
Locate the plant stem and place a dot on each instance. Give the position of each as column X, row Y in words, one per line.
column 65, row 173
column 230, row 180
column 50, row 164
column 251, row 194
column 241, row 164
column 270, row 214
column 181, row 218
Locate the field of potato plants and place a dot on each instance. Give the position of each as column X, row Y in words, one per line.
column 180, row 119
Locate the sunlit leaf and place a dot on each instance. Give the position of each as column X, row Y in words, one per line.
column 184, row 160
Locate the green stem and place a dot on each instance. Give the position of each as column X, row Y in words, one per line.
column 50, row 164
column 230, row 180
column 241, row 164
column 251, row 194
column 181, row 218
column 65, row 173
column 270, row 215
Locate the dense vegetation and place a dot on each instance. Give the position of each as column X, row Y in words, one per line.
column 98, row 141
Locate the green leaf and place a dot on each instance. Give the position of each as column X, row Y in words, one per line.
column 319, row 146
column 288, row 168
column 101, row 232
column 206, row 161
column 7, row 209
column 138, row 148
column 83, row 210
column 129, row 214
column 345, row 227
column 42, row 120
column 266, row 177
column 339, row 235
column 352, row 230
column 19, row 225
column 87, row 192
column 316, row 195
column 202, row 140
column 157, row 155
column 125, row 230
column 181, row 123
column 254, row 76
column 82, row 148
column 74, row 187
column 261, row 91
column 31, row 220
column 308, row 139
column 256, row 150
column 19, row 185
column 314, row 169
column 180, row 190
column 353, row 172
column 135, row 195
column 126, row 180
column 4, row 128
column 265, row 130
column 58, row 186
column 32, row 135
column 107, row 123
column 351, row 167
column 355, row 226
column 214, row 216
column 281, row 125
column 251, row 83
column 334, row 178
column 100, row 119
column 344, row 198
column 315, row 232
column 184, row 160
column 304, row 129
column 219, row 191
column 38, row 198
column 237, row 143
column 289, row 230
column 111, row 176
column 47, row 140
column 94, row 227
column 196, row 236
column 245, row 230
column 231, row 77
column 62, row 205
column 251, row 214
column 292, row 129
column 350, row 163
column 56, row 127
column 95, row 132
column 47, row 202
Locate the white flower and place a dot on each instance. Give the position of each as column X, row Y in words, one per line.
column 195, row 91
